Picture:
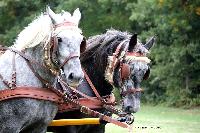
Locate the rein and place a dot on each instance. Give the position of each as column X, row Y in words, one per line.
column 87, row 110
column 106, row 102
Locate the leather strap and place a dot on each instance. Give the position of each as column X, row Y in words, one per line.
column 86, row 110
column 106, row 101
column 30, row 92
column 91, row 85
column 26, row 57
column 134, row 54
column 66, row 23
column 109, row 99
column 83, row 101
column 67, row 59
column 131, row 91
column 46, row 94
column 64, row 84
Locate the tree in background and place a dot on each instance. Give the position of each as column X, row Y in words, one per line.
column 175, row 58
column 97, row 15
column 175, row 68
column 17, row 14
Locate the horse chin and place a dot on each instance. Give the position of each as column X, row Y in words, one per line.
column 131, row 105
column 130, row 110
column 73, row 84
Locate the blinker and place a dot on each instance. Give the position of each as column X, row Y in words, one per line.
column 125, row 71
column 146, row 75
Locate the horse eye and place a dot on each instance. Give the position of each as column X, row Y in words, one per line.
column 59, row 39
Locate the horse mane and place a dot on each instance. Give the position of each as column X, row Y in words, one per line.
column 106, row 37
column 36, row 32
column 99, row 41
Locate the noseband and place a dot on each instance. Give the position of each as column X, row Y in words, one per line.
column 130, row 91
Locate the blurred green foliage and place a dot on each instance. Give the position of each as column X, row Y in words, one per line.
column 175, row 67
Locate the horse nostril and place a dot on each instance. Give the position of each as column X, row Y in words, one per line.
column 133, row 111
column 71, row 76
column 128, row 109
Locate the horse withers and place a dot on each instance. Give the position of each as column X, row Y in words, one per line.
column 47, row 47
column 114, row 59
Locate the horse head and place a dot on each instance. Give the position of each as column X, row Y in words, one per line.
column 134, row 70
column 122, row 58
column 69, row 39
column 47, row 50
column 61, row 40
column 118, row 60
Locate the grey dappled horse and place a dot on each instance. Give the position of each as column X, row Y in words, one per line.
column 27, row 115
column 95, row 60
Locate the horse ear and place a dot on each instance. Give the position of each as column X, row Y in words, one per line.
column 83, row 45
column 77, row 15
column 150, row 43
column 133, row 42
column 63, row 11
column 51, row 14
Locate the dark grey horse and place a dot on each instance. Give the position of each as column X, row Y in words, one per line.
column 26, row 115
column 95, row 61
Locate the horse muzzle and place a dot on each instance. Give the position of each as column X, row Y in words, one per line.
column 74, row 79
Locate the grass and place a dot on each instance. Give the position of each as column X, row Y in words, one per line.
column 158, row 119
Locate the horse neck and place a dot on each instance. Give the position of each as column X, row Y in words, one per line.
column 96, row 75
column 36, row 53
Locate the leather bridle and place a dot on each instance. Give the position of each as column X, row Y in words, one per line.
column 119, row 58
column 130, row 91
column 51, row 56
